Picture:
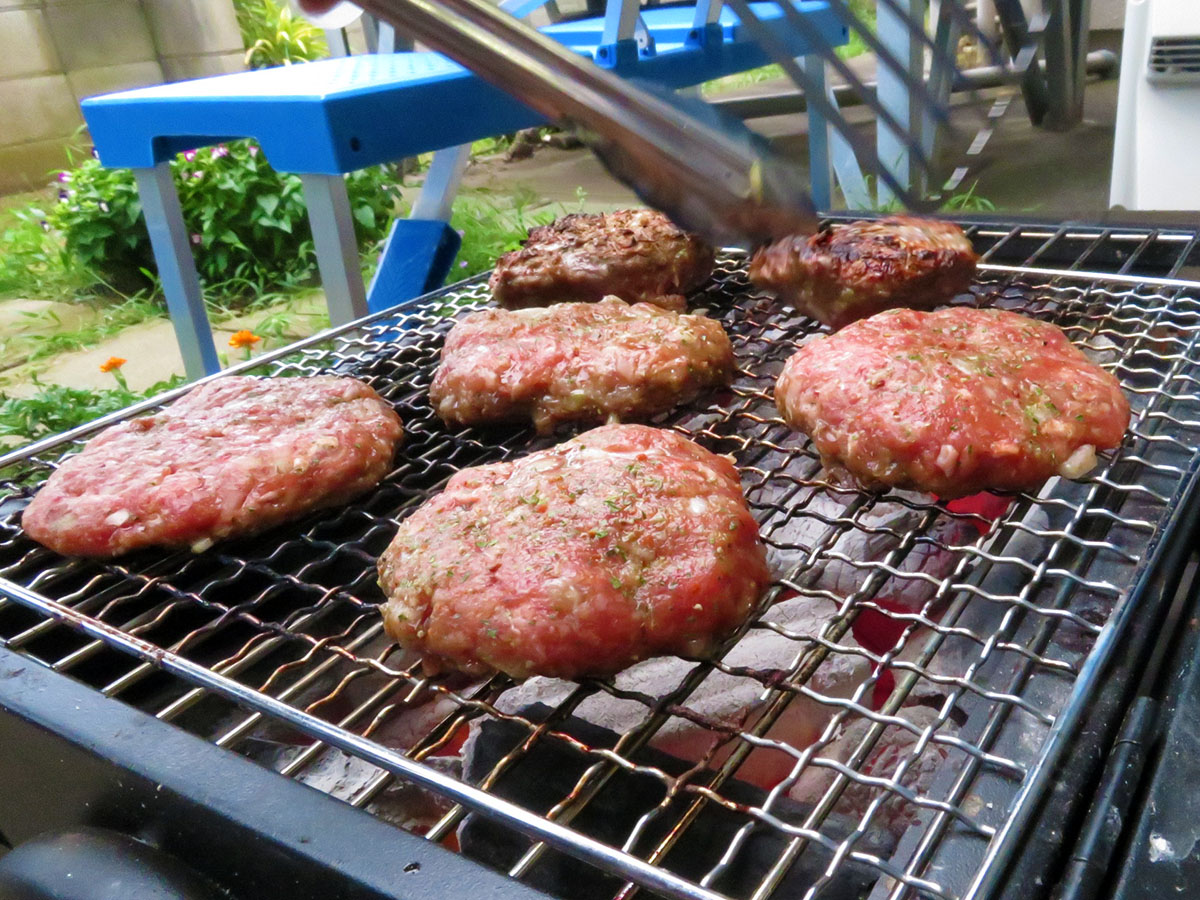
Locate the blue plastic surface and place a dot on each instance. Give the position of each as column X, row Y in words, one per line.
column 339, row 115
column 416, row 260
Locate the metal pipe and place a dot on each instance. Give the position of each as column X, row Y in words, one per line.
column 1099, row 62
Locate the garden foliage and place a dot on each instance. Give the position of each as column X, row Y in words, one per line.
column 248, row 223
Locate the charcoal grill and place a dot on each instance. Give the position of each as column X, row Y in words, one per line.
column 1025, row 644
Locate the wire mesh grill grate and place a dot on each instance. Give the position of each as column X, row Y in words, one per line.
column 888, row 701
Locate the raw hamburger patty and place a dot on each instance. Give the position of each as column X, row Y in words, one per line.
column 623, row 543
column 848, row 272
column 636, row 254
column 577, row 362
column 234, row 456
column 952, row 402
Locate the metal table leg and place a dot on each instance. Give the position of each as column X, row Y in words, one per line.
column 896, row 96
column 820, row 169
column 336, row 246
column 177, row 270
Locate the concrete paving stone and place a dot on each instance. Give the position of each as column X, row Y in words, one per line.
column 179, row 68
column 36, row 109
column 23, row 316
column 93, row 33
column 25, row 44
column 119, row 77
column 186, row 27
column 24, row 323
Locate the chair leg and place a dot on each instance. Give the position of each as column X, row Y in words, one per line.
column 441, row 184
column 336, row 246
column 177, row 270
column 420, row 249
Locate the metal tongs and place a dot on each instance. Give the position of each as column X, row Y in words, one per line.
column 717, row 180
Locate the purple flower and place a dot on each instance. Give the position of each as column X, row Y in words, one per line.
column 63, row 196
column 64, row 177
column 189, row 155
column 95, row 155
column 463, row 264
column 461, row 232
column 254, row 149
column 195, row 239
column 219, row 151
column 45, row 225
column 197, row 174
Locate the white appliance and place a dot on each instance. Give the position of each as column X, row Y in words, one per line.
column 1156, row 154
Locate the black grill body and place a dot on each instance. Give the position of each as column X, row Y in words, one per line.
column 162, row 695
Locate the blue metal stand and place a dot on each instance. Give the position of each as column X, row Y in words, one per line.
column 177, row 269
column 336, row 246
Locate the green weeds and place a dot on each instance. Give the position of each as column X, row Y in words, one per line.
column 56, row 408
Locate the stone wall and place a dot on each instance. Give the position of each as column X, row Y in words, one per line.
column 1108, row 15
column 53, row 53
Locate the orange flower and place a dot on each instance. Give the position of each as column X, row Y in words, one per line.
column 244, row 338
column 113, row 362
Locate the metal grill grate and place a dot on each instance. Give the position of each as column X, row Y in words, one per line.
column 924, row 662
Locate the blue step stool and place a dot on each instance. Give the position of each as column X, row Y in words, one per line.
column 324, row 119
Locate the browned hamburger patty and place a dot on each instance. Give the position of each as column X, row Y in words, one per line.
column 849, row 272
column 634, row 254
column 953, row 402
column 623, row 543
column 584, row 362
column 234, row 456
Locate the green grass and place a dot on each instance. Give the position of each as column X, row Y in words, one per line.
column 56, row 408
column 968, row 201
column 492, row 224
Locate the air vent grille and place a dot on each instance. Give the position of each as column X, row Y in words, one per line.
column 1175, row 59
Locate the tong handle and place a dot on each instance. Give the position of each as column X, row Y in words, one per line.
column 717, row 181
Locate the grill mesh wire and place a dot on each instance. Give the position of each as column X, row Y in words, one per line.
column 996, row 619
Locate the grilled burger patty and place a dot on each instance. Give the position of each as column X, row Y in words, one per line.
column 623, row 543
column 577, row 362
column 848, row 272
column 234, row 456
column 635, row 254
column 952, row 402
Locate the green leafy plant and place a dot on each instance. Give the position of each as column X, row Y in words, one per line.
column 55, row 408
column 275, row 36
column 968, row 201
column 248, row 223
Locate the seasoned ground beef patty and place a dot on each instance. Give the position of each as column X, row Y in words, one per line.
column 634, row 254
column 849, row 272
column 623, row 543
column 952, row 402
column 577, row 362
column 234, row 456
